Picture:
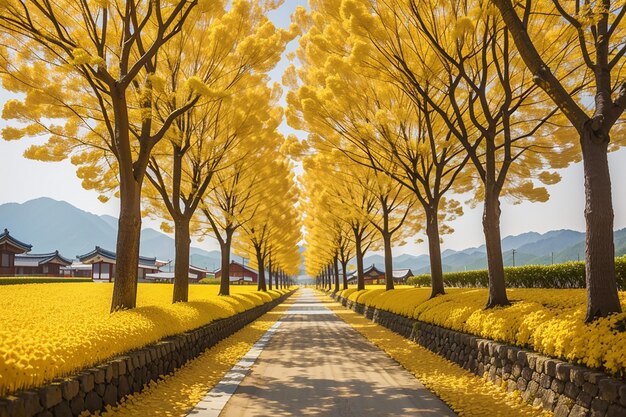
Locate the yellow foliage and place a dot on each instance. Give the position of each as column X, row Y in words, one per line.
column 51, row 330
column 176, row 394
column 548, row 321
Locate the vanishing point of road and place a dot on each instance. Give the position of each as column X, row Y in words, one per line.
column 311, row 363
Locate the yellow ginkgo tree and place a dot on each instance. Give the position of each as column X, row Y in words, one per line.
column 84, row 72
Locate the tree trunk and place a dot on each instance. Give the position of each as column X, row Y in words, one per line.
column 434, row 252
column 336, row 273
column 225, row 279
column 329, row 282
column 259, row 260
column 388, row 262
column 269, row 274
column 276, row 279
column 182, row 241
column 344, row 266
column 602, row 296
column 127, row 249
column 495, row 265
column 360, row 280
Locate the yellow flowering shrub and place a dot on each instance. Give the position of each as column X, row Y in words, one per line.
column 548, row 321
column 50, row 330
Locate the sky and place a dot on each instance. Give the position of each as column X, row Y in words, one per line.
column 22, row 180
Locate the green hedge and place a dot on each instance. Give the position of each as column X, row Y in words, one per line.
column 210, row 281
column 566, row 275
column 39, row 280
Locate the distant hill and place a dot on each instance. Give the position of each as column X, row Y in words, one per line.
column 530, row 248
column 51, row 225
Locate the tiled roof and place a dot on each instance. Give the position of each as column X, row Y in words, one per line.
column 144, row 261
column 402, row 273
column 6, row 237
column 36, row 259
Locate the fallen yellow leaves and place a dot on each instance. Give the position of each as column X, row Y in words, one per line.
column 50, row 330
column 548, row 321
column 464, row 392
column 176, row 394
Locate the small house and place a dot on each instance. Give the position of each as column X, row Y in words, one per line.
column 103, row 261
column 240, row 274
column 9, row 247
column 44, row 264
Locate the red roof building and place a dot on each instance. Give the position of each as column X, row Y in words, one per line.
column 240, row 274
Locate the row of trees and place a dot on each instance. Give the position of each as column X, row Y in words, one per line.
column 166, row 105
column 418, row 101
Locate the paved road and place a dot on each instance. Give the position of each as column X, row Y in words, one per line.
column 317, row 365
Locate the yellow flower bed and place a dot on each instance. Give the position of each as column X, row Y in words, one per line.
column 464, row 392
column 50, row 330
column 177, row 393
column 549, row 321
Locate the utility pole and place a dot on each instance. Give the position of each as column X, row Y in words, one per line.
column 513, row 252
column 552, row 258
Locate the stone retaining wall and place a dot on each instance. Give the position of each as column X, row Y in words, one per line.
column 95, row 388
column 567, row 390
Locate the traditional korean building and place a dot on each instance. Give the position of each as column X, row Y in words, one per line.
column 103, row 264
column 195, row 275
column 43, row 264
column 9, row 247
column 401, row 275
column 373, row 275
column 240, row 274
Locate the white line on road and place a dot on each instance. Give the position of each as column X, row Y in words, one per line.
column 215, row 401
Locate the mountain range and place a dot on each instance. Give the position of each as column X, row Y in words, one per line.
column 51, row 225
column 529, row 248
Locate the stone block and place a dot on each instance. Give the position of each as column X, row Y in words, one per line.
column 62, row 410
column 609, row 389
column 577, row 375
column 578, row 411
column 550, row 367
column 32, row 402
column 599, row 405
column 563, row 371
column 615, row 410
column 590, row 389
column 622, row 395
column 545, row 381
column 571, row 390
column 110, row 395
column 594, row 377
column 12, row 406
column 548, row 400
column 98, row 375
column 540, row 364
column 584, row 399
column 564, row 402
column 93, row 402
column 50, row 395
column 77, row 405
column 557, row 386
column 522, row 358
column 69, row 388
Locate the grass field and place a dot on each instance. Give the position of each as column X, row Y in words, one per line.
column 50, row 330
